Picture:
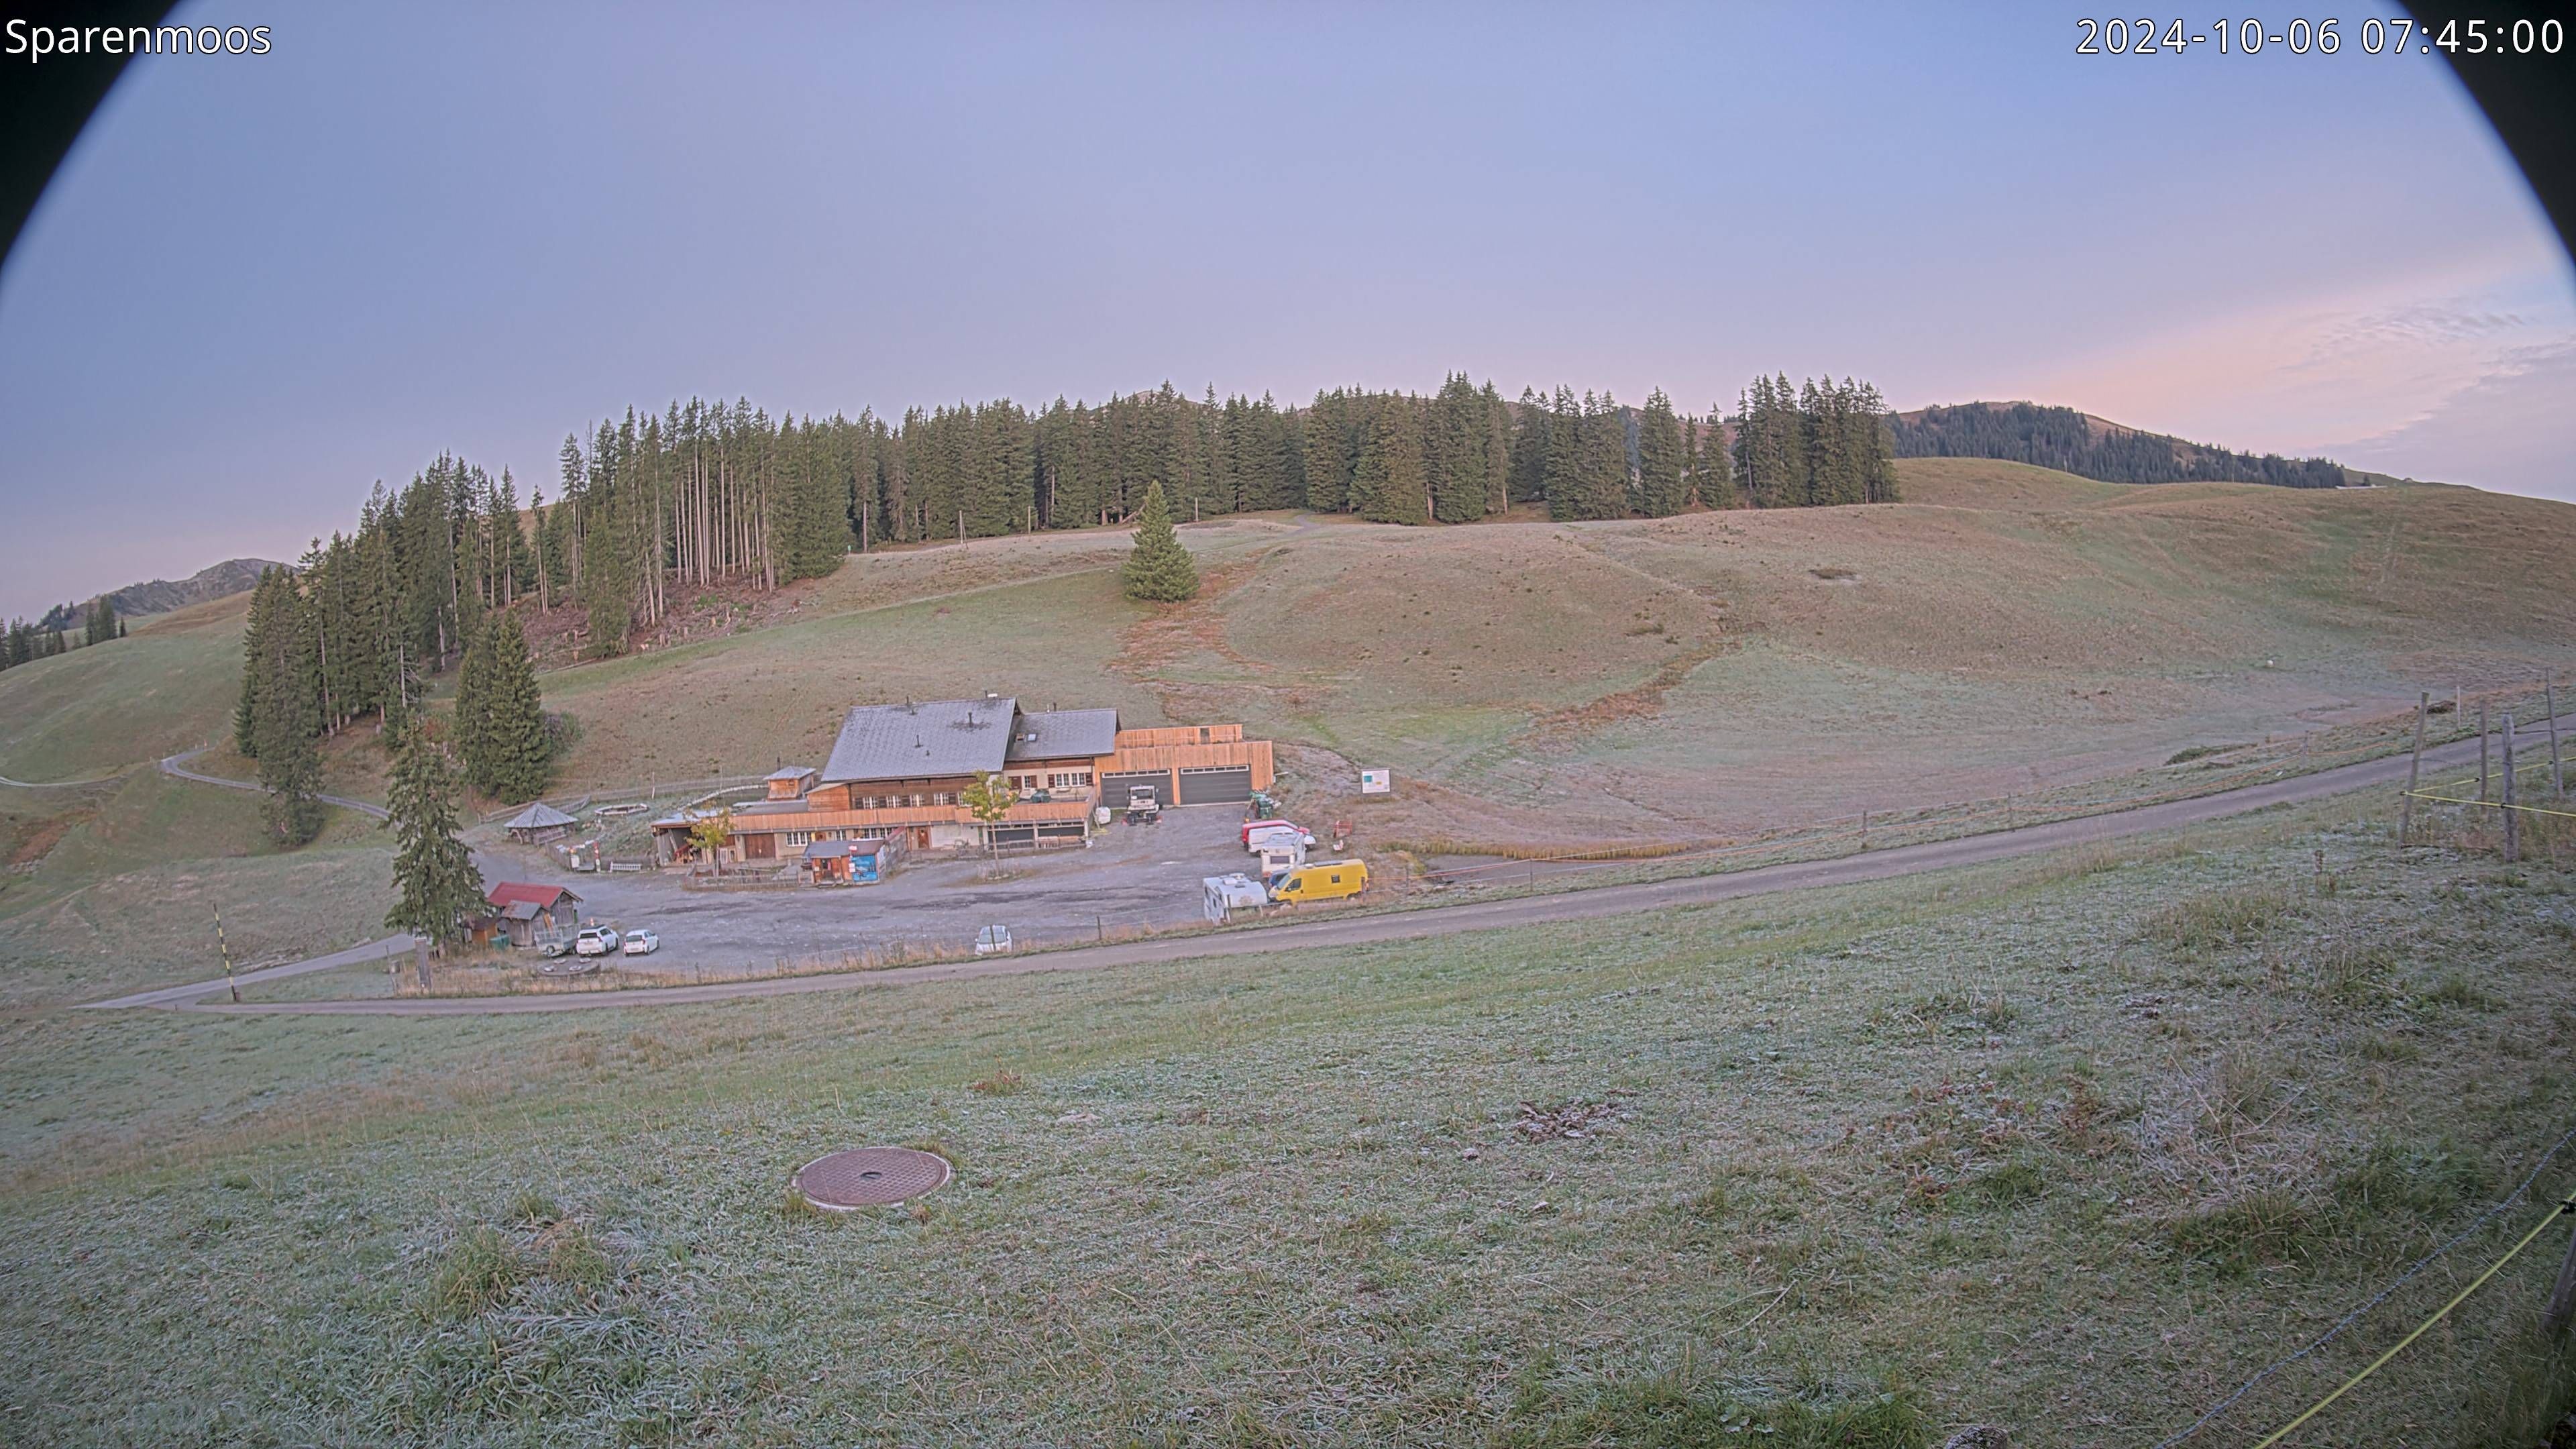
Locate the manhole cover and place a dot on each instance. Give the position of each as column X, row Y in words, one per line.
column 869, row 1176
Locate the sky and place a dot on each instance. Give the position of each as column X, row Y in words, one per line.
column 262, row 283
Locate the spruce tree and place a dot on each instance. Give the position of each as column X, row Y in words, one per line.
column 470, row 728
column 1159, row 570
column 1389, row 483
column 255, row 648
column 1528, row 462
column 507, row 756
column 434, row 875
column 284, row 722
column 1662, row 459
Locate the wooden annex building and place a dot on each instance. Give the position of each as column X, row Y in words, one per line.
column 900, row 772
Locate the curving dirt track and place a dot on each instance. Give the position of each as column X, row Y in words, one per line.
column 1438, row 921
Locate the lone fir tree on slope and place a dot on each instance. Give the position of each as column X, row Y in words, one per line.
column 434, row 873
column 1159, row 571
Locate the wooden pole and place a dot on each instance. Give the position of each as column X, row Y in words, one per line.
column 420, row 960
column 2557, row 773
column 961, row 525
column 2482, row 749
column 2562, row 1298
column 2414, row 767
column 2512, row 816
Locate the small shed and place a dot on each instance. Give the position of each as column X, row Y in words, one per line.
column 540, row 823
column 790, row 782
column 1222, row 897
column 850, row 862
column 528, row 914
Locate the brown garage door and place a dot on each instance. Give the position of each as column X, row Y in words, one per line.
column 1212, row 785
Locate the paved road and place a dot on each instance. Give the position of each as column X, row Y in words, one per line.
column 178, row 765
column 1446, row 920
column 182, row 995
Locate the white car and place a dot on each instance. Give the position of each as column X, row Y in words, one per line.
column 992, row 940
column 642, row 943
column 595, row 941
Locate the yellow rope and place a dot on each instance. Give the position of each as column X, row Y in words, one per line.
column 2491, row 804
column 2565, row 1205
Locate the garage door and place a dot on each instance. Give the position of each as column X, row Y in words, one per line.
column 1216, row 786
column 1113, row 788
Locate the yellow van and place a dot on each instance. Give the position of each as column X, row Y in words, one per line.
column 1323, row 880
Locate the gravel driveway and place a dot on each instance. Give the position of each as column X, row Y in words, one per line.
column 1130, row 876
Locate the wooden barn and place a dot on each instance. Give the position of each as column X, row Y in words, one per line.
column 528, row 914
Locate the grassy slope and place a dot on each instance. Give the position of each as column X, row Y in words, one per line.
column 169, row 686
column 2007, row 628
column 127, row 899
column 2071, row 1148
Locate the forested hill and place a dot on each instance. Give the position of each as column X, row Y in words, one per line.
column 160, row 596
column 2073, row 442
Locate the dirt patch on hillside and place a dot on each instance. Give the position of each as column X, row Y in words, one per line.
column 1640, row 702
column 30, row 841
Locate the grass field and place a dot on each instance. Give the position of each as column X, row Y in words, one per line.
column 2068, row 1147
column 2008, row 628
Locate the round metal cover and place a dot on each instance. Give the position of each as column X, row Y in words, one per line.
column 869, row 1177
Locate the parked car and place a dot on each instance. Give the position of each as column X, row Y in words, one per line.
column 1319, row 881
column 992, row 940
column 595, row 941
column 1269, row 833
column 642, row 943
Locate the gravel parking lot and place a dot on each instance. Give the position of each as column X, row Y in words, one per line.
column 1130, row 876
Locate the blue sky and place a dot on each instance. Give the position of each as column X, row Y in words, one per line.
column 263, row 283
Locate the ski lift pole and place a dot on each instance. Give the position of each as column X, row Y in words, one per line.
column 227, row 953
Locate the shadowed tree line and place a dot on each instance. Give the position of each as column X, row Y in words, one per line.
column 2070, row 442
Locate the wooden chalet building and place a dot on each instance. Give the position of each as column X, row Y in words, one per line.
column 900, row 771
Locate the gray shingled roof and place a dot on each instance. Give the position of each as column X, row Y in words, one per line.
column 910, row 741
column 539, row 817
column 1062, row 734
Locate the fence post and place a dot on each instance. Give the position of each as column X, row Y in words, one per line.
column 2557, row 776
column 2562, row 1298
column 2482, row 750
column 2414, row 766
column 2512, row 816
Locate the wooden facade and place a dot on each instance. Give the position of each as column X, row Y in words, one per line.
column 1057, row 797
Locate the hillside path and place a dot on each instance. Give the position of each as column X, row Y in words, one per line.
column 177, row 765
column 1431, row 921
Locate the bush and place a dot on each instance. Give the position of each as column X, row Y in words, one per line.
column 478, row 1270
